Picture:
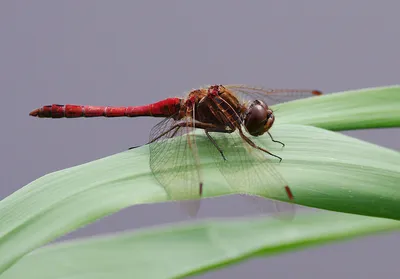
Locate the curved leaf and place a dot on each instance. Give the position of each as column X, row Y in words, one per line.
column 178, row 251
column 323, row 168
column 356, row 109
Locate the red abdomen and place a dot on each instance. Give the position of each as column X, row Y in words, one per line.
column 164, row 108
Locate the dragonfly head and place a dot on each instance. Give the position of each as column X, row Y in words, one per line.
column 258, row 118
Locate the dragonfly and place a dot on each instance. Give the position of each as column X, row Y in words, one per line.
column 232, row 117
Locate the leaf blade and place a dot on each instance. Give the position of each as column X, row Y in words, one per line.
column 349, row 110
column 169, row 251
column 30, row 216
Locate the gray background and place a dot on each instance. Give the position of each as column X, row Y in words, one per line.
column 134, row 52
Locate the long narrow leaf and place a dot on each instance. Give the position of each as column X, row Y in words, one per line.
column 323, row 168
column 175, row 252
column 356, row 109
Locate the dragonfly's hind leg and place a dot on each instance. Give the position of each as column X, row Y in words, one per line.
column 176, row 127
column 133, row 147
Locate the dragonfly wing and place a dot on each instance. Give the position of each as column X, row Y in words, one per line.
column 250, row 173
column 247, row 169
column 269, row 95
column 194, row 180
column 173, row 164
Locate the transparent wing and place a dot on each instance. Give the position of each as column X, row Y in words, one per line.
column 173, row 163
column 270, row 96
column 248, row 169
column 250, row 172
column 194, row 183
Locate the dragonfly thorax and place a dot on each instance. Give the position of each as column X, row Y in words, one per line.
column 258, row 118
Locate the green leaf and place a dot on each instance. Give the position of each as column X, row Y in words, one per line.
column 349, row 110
column 175, row 252
column 324, row 169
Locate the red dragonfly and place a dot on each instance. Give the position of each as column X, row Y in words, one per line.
column 237, row 113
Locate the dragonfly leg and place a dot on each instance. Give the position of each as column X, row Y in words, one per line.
column 173, row 127
column 197, row 124
column 176, row 126
column 181, row 124
column 215, row 144
column 133, row 147
column 249, row 141
column 174, row 133
column 207, row 127
column 283, row 145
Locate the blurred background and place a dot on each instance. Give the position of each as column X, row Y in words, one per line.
column 135, row 52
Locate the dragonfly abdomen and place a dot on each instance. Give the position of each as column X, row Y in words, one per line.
column 164, row 108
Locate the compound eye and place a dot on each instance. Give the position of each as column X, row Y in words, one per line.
column 255, row 119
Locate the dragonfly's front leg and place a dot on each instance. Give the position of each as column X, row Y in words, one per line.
column 252, row 144
column 283, row 145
